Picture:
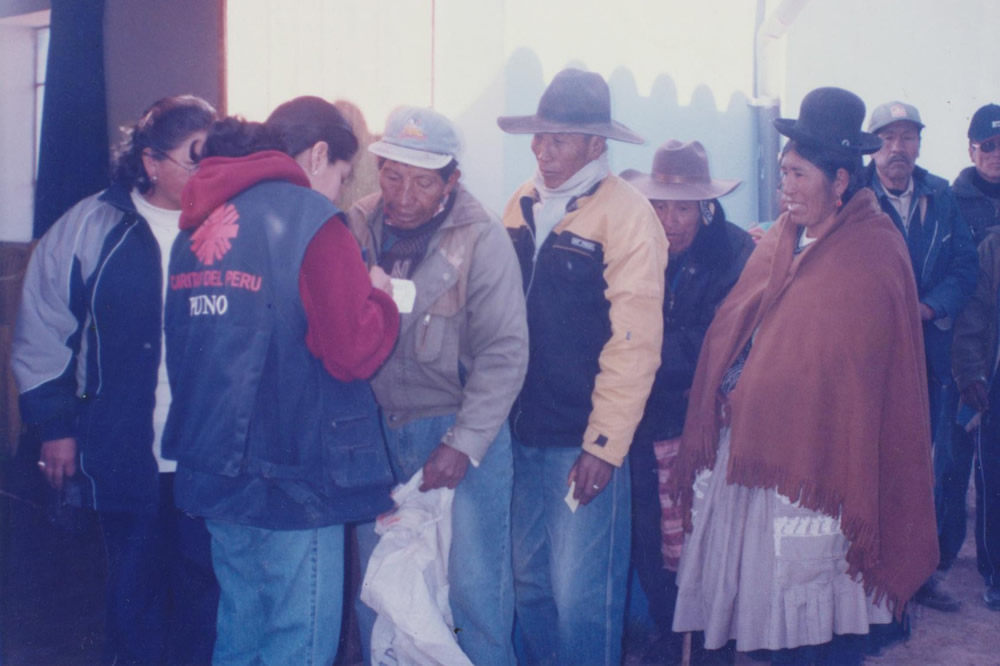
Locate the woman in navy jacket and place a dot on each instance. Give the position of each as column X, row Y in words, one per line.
column 88, row 359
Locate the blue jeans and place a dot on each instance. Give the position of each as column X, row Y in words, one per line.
column 570, row 569
column 480, row 582
column 282, row 593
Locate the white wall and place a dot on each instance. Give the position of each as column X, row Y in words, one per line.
column 939, row 56
column 677, row 69
column 477, row 60
column 17, row 121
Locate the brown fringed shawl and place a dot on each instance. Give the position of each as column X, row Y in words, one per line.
column 831, row 407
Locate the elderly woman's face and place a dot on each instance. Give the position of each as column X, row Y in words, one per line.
column 806, row 193
column 681, row 221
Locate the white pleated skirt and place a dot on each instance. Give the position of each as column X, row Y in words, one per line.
column 764, row 571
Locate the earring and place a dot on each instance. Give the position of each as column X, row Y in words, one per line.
column 315, row 172
column 838, row 203
column 154, row 178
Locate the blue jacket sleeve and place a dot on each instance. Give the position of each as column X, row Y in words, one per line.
column 950, row 296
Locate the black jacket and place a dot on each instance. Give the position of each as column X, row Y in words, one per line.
column 696, row 284
column 86, row 351
column 980, row 211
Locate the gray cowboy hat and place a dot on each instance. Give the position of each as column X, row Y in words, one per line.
column 830, row 118
column 575, row 101
column 680, row 173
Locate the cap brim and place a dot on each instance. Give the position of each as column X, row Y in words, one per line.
column 535, row 125
column 985, row 137
column 660, row 191
column 417, row 158
column 876, row 128
column 869, row 142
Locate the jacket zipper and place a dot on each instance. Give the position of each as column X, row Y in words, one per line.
column 93, row 311
column 534, row 262
column 423, row 334
column 527, row 292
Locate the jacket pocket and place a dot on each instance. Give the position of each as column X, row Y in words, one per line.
column 354, row 453
column 432, row 329
column 572, row 271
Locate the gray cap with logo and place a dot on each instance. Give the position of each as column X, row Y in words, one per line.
column 419, row 137
column 890, row 112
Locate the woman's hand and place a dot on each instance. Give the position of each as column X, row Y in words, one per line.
column 58, row 460
column 380, row 280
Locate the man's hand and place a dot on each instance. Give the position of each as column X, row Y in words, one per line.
column 58, row 460
column 591, row 475
column 445, row 468
column 975, row 395
column 927, row 313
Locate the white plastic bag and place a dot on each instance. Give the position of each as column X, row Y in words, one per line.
column 406, row 582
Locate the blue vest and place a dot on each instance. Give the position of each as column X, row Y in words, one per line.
column 263, row 435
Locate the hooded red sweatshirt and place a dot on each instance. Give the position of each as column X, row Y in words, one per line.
column 352, row 327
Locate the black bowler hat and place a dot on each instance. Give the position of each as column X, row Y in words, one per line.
column 575, row 102
column 830, row 118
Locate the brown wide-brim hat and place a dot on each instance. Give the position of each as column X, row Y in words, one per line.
column 575, row 102
column 680, row 173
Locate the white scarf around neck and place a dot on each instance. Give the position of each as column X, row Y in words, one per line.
column 552, row 203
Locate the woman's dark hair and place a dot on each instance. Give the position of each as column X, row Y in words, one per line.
column 711, row 245
column 299, row 123
column 161, row 128
column 829, row 161
column 236, row 137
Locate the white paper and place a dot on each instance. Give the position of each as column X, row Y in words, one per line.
column 571, row 501
column 404, row 293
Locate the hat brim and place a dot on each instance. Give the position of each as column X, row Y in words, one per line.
column 535, row 125
column 660, row 191
column 869, row 142
column 418, row 158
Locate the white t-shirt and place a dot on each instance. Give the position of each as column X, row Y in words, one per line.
column 163, row 223
column 902, row 203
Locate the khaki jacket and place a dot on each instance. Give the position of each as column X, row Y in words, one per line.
column 464, row 348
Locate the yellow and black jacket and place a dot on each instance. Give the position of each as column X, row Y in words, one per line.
column 594, row 299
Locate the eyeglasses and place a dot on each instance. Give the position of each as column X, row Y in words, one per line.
column 988, row 146
column 190, row 168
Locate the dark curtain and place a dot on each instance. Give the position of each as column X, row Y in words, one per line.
column 73, row 160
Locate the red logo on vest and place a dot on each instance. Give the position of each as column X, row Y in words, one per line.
column 211, row 240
